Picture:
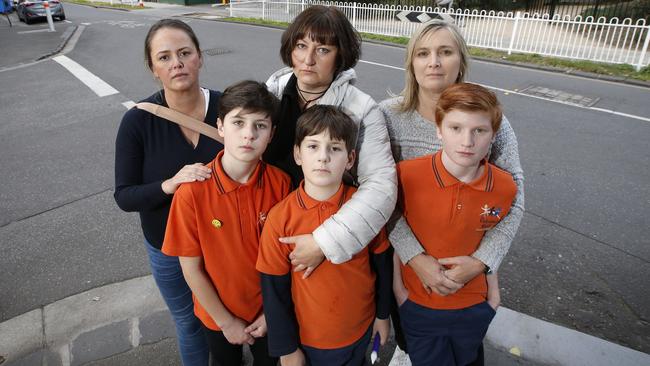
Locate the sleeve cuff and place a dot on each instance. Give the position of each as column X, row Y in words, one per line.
column 332, row 252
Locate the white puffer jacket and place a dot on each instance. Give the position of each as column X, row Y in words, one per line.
column 361, row 218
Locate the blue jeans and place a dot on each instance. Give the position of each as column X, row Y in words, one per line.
column 168, row 275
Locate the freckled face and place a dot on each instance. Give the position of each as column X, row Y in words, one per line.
column 436, row 61
column 466, row 137
column 175, row 60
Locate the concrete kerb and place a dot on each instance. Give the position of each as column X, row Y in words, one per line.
column 92, row 325
column 70, row 36
column 550, row 344
column 66, row 37
column 116, row 318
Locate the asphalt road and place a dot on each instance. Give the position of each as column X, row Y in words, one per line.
column 580, row 258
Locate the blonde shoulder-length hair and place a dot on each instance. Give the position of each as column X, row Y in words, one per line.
column 410, row 93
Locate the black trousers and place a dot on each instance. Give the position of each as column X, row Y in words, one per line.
column 223, row 353
column 401, row 340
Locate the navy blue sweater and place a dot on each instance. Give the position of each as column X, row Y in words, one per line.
column 150, row 150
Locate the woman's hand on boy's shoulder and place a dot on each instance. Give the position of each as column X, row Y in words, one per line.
column 235, row 332
column 257, row 329
column 188, row 173
column 297, row 358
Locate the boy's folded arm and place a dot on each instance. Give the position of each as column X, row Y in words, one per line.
column 383, row 266
column 202, row 287
column 283, row 338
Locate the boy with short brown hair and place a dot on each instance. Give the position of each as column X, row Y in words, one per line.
column 328, row 318
column 214, row 226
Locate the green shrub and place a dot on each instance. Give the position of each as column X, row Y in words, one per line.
column 637, row 9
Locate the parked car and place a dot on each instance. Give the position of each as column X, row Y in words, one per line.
column 30, row 10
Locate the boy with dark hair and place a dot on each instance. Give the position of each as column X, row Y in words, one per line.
column 450, row 199
column 214, row 226
column 328, row 318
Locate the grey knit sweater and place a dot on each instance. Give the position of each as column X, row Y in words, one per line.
column 411, row 136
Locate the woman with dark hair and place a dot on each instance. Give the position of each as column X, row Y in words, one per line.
column 154, row 156
column 320, row 48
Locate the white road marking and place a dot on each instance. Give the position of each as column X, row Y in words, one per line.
column 129, row 104
column 85, row 23
column 99, row 86
column 384, row 65
column 596, row 109
column 34, row 31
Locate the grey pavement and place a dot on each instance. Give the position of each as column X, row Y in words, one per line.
column 73, row 291
column 24, row 43
column 165, row 352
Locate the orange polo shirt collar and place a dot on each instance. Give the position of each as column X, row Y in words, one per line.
column 306, row 202
column 444, row 179
column 225, row 184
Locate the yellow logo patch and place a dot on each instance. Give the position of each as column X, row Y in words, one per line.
column 216, row 223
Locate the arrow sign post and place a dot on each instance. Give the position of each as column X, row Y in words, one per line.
column 421, row 17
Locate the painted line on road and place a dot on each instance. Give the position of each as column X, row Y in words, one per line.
column 596, row 109
column 384, row 65
column 34, row 31
column 99, row 86
column 129, row 104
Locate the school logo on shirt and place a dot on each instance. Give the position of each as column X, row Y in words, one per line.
column 217, row 223
column 490, row 216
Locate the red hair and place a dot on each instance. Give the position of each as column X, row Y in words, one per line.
column 469, row 98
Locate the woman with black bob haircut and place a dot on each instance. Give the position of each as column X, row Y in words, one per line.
column 319, row 49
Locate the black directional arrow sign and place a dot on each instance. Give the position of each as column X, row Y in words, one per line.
column 421, row 17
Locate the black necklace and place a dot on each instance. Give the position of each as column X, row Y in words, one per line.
column 308, row 92
column 308, row 101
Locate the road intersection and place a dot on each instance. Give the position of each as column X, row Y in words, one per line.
column 580, row 259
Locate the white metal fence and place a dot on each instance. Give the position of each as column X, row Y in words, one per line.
column 614, row 41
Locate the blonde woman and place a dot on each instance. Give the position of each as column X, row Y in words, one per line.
column 437, row 57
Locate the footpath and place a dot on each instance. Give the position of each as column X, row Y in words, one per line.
column 127, row 323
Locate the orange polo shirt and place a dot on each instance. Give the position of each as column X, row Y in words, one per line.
column 336, row 304
column 449, row 218
column 221, row 220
